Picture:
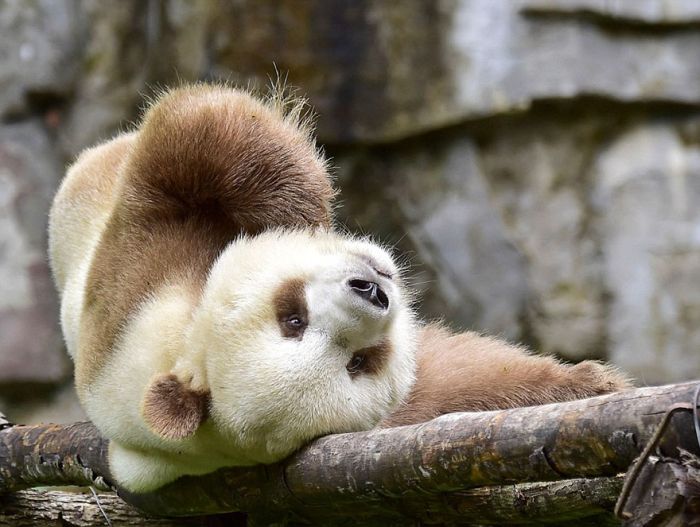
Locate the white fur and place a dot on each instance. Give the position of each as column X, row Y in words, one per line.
column 269, row 394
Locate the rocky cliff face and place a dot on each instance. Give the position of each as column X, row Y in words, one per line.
column 537, row 161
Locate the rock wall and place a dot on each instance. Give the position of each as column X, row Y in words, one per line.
column 537, row 162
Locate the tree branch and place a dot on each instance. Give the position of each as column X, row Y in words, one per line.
column 412, row 471
column 44, row 455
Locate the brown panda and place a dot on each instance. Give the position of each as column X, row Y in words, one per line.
column 215, row 318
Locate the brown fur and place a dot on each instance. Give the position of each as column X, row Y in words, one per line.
column 470, row 372
column 172, row 410
column 290, row 301
column 374, row 359
column 207, row 164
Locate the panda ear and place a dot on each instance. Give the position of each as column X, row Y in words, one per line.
column 173, row 410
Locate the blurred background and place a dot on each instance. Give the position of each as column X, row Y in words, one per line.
column 536, row 161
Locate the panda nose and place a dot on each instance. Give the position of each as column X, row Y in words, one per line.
column 371, row 292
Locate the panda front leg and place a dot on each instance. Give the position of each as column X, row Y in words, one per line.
column 138, row 471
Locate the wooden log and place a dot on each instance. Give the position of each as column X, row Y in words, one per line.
column 582, row 499
column 45, row 455
column 588, row 501
column 83, row 508
column 586, row 438
column 379, row 472
column 666, row 492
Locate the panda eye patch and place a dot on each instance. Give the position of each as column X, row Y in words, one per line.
column 291, row 309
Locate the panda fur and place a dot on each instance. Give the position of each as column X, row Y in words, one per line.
column 215, row 318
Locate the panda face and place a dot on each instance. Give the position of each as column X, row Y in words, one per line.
column 307, row 333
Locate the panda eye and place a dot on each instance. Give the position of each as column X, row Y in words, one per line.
column 295, row 321
column 293, row 326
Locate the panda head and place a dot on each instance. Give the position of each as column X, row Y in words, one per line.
column 304, row 333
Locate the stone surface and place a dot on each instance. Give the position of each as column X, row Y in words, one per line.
column 131, row 50
column 116, row 57
column 378, row 71
column 372, row 69
column 461, row 262
column 639, row 11
column 536, row 161
column 539, row 179
column 646, row 196
column 39, row 42
column 575, row 231
column 30, row 347
column 496, row 226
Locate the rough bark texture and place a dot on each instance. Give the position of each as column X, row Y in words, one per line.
column 84, row 509
column 587, row 500
column 32, row 456
column 419, row 472
column 666, row 492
